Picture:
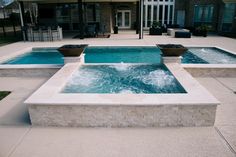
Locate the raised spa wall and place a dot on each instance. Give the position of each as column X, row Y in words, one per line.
column 49, row 107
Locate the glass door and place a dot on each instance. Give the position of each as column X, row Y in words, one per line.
column 124, row 19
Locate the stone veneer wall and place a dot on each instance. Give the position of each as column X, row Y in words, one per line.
column 122, row 115
column 106, row 16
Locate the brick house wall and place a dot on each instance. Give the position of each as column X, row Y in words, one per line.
column 106, row 16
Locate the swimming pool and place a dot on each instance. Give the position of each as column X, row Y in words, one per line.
column 208, row 55
column 125, row 54
column 145, row 54
column 123, row 78
column 38, row 56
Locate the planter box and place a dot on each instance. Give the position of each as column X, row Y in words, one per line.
column 200, row 33
column 72, row 50
column 115, row 30
column 155, row 31
column 172, row 50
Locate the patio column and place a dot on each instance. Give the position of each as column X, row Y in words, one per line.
column 21, row 9
column 141, row 19
column 137, row 17
column 3, row 24
column 81, row 19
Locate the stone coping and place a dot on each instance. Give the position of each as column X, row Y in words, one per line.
column 207, row 46
column 14, row 54
column 30, row 66
column 49, row 93
column 209, row 66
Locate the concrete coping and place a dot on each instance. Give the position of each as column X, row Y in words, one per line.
column 50, row 92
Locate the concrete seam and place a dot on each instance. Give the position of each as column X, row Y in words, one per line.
column 223, row 84
column 18, row 143
column 224, row 139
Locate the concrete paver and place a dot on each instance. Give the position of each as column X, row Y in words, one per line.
column 125, row 142
column 10, row 137
column 225, row 114
column 229, row 83
column 217, row 89
column 13, row 111
column 17, row 140
column 229, row 133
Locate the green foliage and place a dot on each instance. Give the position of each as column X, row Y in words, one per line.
column 204, row 28
column 156, row 24
column 3, row 94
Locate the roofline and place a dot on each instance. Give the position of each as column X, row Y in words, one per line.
column 75, row 1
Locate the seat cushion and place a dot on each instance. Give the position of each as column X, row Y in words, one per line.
column 181, row 34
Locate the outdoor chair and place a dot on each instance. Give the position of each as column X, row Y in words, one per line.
column 91, row 31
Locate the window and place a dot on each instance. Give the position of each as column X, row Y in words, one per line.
column 158, row 10
column 228, row 17
column 171, row 14
column 149, row 16
column 154, row 13
column 90, row 12
column 166, row 14
column 203, row 14
column 160, row 13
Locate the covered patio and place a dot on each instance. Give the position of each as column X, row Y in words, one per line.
column 84, row 18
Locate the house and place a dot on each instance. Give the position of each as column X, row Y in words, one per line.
column 105, row 14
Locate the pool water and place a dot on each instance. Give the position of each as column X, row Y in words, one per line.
column 125, row 54
column 38, row 56
column 208, row 55
column 189, row 57
column 123, row 78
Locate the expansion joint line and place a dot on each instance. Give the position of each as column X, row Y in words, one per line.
column 226, row 142
column 224, row 85
column 18, row 143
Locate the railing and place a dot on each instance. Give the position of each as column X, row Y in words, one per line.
column 41, row 34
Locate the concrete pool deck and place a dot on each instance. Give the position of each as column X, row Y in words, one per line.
column 19, row 139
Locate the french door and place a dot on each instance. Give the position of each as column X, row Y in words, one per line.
column 124, row 19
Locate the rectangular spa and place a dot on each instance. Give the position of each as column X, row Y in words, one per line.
column 208, row 55
column 53, row 105
column 123, row 78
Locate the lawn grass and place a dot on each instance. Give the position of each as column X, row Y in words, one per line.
column 3, row 94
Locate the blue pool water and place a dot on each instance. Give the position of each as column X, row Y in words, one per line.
column 123, row 78
column 208, row 55
column 118, row 54
column 38, row 56
column 189, row 57
column 126, row 54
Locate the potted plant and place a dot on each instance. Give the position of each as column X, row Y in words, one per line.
column 155, row 29
column 115, row 29
column 201, row 30
column 72, row 50
column 172, row 50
